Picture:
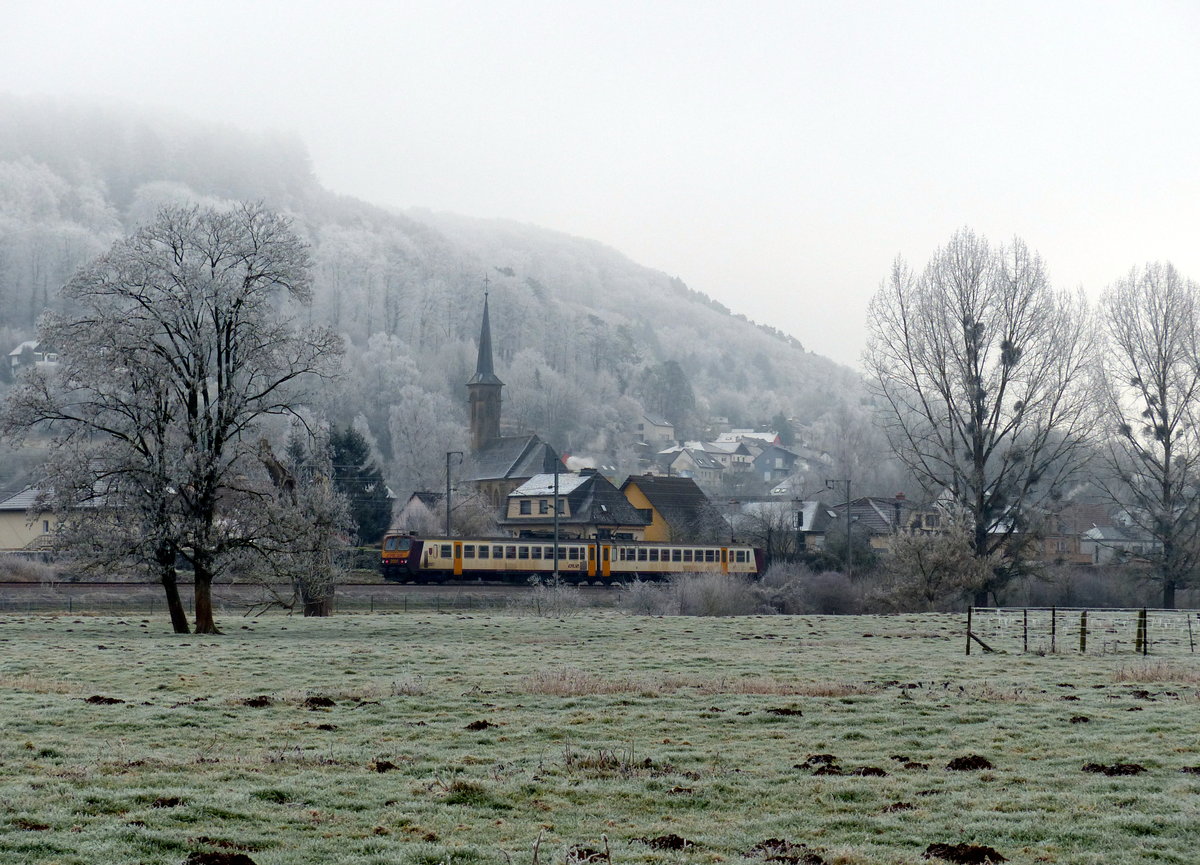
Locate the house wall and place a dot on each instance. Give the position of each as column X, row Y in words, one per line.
column 16, row 532
column 658, row 530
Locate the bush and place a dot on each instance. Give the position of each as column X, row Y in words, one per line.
column 715, row 595
column 16, row 568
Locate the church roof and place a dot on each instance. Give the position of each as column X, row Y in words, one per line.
column 513, row 457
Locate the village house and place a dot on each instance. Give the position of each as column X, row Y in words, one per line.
column 24, row 529
column 677, row 508
column 589, row 506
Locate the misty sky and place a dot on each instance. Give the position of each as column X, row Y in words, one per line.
column 774, row 155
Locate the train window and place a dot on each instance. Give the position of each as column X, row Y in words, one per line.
column 510, row 552
column 687, row 555
column 468, row 551
column 710, row 555
column 445, row 551
column 390, row 543
column 575, row 553
column 497, row 552
column 677, row 555
column 654, row 555
column 522, row 552
column 405, row 544
column 484, row 549
column 641, row 554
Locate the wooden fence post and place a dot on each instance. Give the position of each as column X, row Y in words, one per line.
column 1083, row 633
column 1025, row 630
column 969, row 609
column 1053, row 630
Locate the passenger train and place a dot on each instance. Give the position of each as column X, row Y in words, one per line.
column 406, row 558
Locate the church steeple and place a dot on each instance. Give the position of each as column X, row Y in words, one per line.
column 483, row 390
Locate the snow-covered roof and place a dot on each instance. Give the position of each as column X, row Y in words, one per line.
column 30, row 344
column 543, row 484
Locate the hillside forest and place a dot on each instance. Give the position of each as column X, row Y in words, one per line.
column 586, row 341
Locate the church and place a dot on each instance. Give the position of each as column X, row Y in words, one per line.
column 499, row 464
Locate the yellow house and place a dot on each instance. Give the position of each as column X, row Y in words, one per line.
column 678, row 510
column 17, row 530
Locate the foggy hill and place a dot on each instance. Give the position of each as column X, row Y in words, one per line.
column 586, row 340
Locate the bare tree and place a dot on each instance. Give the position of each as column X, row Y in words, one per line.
column 174, row 346
column 980, row 367
column 1151, row 375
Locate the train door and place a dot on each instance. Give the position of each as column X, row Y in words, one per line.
column 458, row 558
column 591, row 562
column 605, row 562
column 724, row 560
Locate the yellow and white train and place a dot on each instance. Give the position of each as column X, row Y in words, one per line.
column 406, row 559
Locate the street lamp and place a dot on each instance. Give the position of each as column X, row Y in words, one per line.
column 449, row 454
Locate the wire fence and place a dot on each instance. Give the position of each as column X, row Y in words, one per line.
column 1054, row 630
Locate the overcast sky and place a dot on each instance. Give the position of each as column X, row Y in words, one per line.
column 774, row 155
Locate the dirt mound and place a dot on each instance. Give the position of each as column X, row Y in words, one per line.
column 317, row 702
column 580, row 855
column 259, row 702
column 479, row 725
column 167, row 802
column 1081, row 719
column 914, row 765
column 383, row 766
column 969, row 763
column 218, row 859
column 1115, row 769
column 1190, row 770
column 897, row 807
column 967, row 854
column 829, row 770
column 869, row 772
column 667, row 842
column 787, row 852
column 820, row 760
column 785, row 711
column 97, row 700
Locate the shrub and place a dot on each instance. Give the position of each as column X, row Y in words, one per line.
column 16, row 568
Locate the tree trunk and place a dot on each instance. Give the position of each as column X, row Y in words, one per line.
column 179, row 622
column 318, row 606
column 1168, row 594
column 204, row 611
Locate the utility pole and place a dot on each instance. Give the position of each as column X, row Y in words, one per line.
column 557, row 461
column 829, row 484
column 449, row 454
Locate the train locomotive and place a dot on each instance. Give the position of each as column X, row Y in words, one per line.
column 409, row 559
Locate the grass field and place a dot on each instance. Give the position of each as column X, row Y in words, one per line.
column 426, row 738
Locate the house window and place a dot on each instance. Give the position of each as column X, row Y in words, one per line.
column 543, row 506
column 526, row 506
column 45, row 527
column 648, row 513
column 932, row 521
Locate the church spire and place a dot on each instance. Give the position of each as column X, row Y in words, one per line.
column 483, row 390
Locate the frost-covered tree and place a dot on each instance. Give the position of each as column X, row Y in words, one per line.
column 980, row 368
column 1151, row 375
column 174, row 347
